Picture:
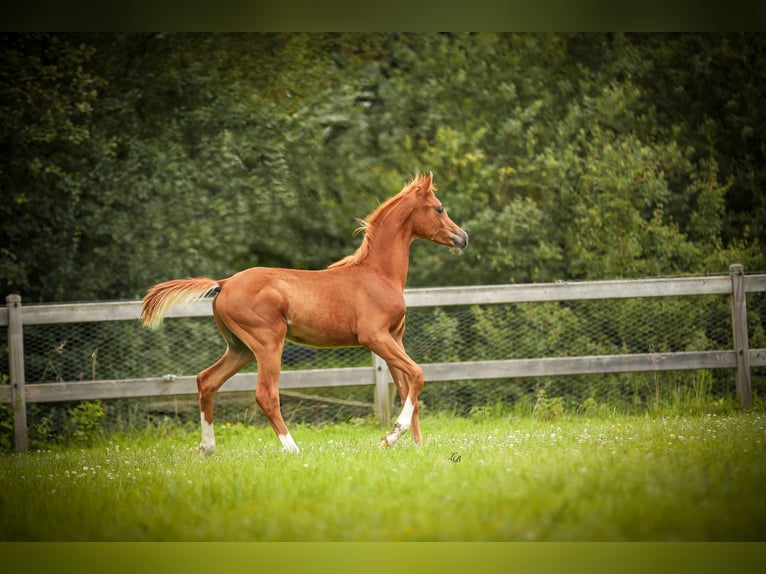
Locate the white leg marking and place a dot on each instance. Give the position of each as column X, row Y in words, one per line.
column 402, row 423
column 207, row 446
column 405, row 417
column 288, row 443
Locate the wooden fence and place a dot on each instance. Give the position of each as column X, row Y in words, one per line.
column 740, row 357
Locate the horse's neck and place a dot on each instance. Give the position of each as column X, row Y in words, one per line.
column 390, row 253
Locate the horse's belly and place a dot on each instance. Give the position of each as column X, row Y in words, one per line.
column 321, row 333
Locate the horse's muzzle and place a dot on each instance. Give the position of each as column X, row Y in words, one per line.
column 460, row 240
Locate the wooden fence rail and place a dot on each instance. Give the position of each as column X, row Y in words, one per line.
column 736, row 285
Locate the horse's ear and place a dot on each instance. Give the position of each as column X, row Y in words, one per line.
column 425, row 182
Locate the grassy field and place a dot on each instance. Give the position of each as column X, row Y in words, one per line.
column 639, row 478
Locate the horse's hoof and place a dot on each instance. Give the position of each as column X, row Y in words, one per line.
column 384, row 443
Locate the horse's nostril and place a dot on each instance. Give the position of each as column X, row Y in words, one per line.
column 460, row 240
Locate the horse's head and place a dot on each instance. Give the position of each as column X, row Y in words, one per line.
column 430, row 220
column 415, row 208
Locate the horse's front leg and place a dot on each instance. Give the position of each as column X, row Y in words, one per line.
column 388, row 348
column 403, row 386
column 409, row 389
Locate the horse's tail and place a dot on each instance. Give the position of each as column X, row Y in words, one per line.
column 160, row 298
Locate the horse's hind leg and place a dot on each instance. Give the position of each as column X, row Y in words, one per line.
column 211, row 379
column 267, row 392
column 266, row 342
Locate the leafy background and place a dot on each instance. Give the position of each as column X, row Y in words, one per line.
column 133, row 158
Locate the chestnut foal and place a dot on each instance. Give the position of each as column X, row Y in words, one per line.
column 357, row 301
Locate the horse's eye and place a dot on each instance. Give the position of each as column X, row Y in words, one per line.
column 440, row 209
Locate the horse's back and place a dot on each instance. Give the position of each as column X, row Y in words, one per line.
column 312, row 307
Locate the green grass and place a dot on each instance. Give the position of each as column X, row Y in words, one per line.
column 623, row 478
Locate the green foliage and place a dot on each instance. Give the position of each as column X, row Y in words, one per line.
column 6, row 427
column 131, row 158
column 548, row 408
column 50, row 143
column 85, row 421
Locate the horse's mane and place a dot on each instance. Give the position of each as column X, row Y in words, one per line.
column 367, row 225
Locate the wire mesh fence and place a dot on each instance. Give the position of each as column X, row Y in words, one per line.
column 439, row 334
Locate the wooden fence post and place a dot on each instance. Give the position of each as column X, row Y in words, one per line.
column 739, row 327
column 16, row 366
column 382, row 394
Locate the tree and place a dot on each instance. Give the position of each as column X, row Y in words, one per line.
column 49, row 144
column 133, row 158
